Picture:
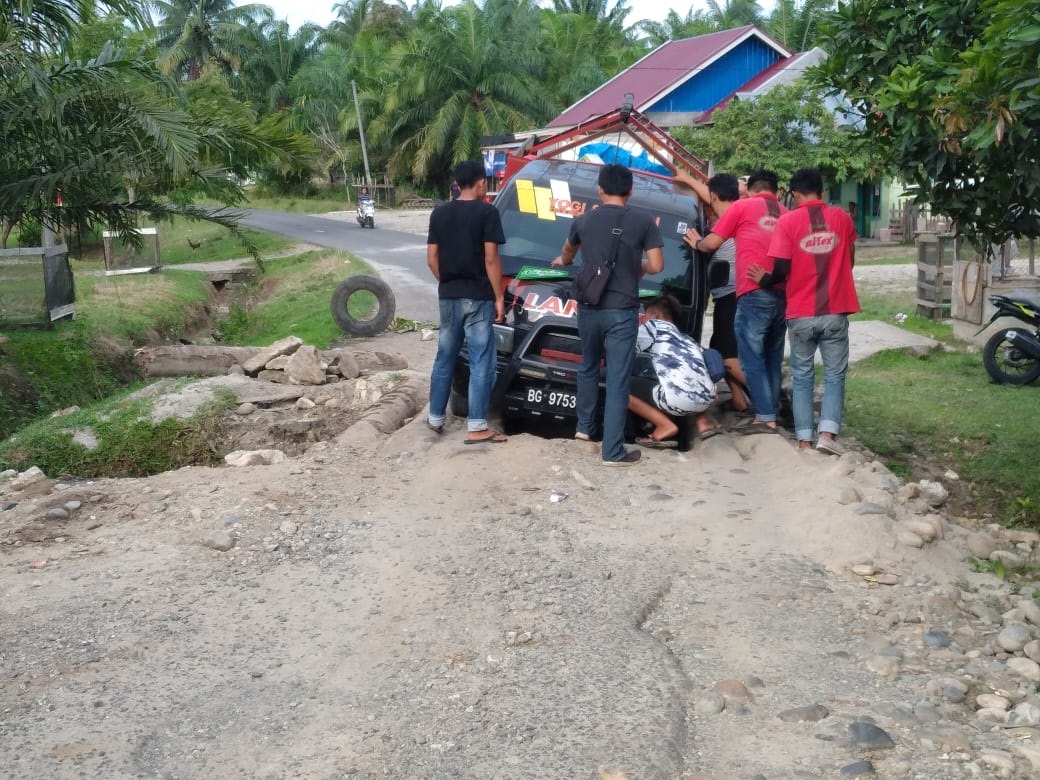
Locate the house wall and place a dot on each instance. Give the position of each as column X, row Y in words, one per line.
column 720, row 79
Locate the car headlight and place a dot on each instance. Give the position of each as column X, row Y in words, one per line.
column 504, row 335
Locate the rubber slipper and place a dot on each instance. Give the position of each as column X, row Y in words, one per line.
column 657, row 444
column 494, row 438
column 752, row 428
column 709, row 433
column 435, row 428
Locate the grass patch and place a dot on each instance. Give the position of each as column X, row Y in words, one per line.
column 293, row 299
column 213, row 242
column 128, row 443
column 317, row 204
column 887, row 307
column 943, row 409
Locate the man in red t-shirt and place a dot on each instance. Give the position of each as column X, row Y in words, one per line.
column 759, row 318
column 813, row 251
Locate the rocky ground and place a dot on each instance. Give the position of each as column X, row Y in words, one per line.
column 389, row 602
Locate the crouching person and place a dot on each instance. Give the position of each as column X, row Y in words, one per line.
column 684, row 384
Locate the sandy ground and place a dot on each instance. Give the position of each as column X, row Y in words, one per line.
column 403, row 605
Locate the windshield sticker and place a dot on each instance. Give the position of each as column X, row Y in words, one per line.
column 525, row 196
column 681, row 228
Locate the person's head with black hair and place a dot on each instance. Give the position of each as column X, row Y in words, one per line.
column 763, row 181
column 615, row 180
column 664, row 307
column 807, row 183
column 469, row 173
column 725, row 187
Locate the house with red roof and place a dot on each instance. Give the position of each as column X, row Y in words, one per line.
column 681, row 83
column 685, row 82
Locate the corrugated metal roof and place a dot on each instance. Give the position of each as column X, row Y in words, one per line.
column 659, row 72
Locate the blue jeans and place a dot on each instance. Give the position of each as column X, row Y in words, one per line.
column 610, row 334
column 760, row 328
column 830, row 334
column 474, row 320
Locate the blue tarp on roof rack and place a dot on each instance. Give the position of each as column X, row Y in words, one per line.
column 611, row 153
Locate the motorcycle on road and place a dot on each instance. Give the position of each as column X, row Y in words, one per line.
column 366, row 212
column 1012, row 355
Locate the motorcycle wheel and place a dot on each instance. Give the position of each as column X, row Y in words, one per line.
column 375, row 321
column 1008, row 364
column 372, row 222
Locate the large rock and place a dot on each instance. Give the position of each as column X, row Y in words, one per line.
column 31, row 477
column 305, row 368
column 285, row 346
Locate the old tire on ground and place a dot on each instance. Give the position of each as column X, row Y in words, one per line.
column 374, row 322
column 1006, row 362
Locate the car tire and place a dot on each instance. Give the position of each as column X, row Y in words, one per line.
column 363, row 326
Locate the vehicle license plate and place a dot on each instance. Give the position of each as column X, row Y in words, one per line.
column 552, row 399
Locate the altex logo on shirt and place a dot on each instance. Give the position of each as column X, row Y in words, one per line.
column 819, row 243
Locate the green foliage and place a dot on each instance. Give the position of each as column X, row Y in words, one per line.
column 293, row 299
column 789, row 127
column 943, row 407
column 129, row 444
column 949, row 97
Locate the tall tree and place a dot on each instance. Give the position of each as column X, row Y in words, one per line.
column 793, row 23
column 675, row 27
column 88, row 132
column 272, row 56
column 195, row 34
column 785, row 129
column 467, row 72
column 734, row 13
column 949, row 96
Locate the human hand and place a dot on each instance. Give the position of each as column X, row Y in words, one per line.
column 755, row 273
column 691, row 237
column 558, row 262
column 500, row 310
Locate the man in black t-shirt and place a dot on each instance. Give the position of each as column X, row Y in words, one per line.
column 462, row 253
column 608, row 330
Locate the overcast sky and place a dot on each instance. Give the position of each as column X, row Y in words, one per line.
column 320, row 11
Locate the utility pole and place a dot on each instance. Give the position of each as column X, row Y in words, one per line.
column 361, row 132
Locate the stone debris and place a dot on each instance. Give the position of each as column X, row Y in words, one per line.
column 31, row 477
column 217, row 540
column 240, row 458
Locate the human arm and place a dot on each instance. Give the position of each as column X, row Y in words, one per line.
column 566, row 256
column 708, row 243
column 493, row 267
column 654, row 261
column 781, row 270
column 699, row 187
column 433, row 260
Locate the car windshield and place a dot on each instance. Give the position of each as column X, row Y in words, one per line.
column 538, row 205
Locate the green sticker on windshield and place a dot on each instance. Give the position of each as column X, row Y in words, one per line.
column 644, row 293
column 533, row 272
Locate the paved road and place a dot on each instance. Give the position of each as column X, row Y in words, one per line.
column 399, row 257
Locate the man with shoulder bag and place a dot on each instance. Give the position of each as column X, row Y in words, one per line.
column 612, row 241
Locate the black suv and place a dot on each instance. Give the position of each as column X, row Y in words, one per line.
column 538, row 347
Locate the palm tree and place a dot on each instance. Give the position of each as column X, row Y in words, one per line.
column 734, row 13
column 675, row 27
column 45, row 24
column 466, row 73
column 195, row 34
column 793, row 23
column 271, row 60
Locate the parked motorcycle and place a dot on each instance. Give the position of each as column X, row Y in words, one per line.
column 1012, row 355
column 366, row 212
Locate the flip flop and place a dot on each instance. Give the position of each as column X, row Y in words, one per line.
column 657, row 444
column 714, row 431
column 435, row 428
column 494, row 438
column 752, row 428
